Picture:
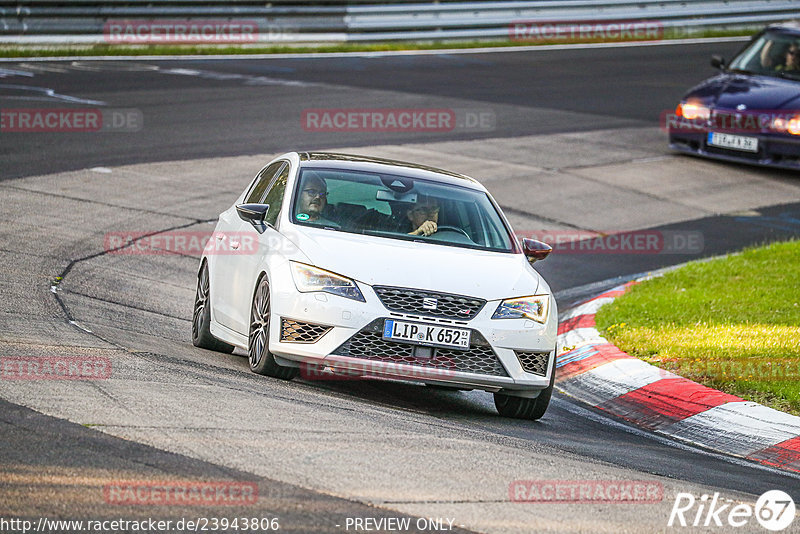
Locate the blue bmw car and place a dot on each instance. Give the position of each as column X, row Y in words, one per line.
column 750, row 111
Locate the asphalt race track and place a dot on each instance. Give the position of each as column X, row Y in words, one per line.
column 570, row 142
column 213, row 108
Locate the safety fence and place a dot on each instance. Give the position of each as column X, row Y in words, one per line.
column 247, row 21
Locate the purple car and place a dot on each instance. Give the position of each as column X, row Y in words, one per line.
column 750, row 111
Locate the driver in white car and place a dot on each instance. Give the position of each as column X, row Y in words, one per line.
column 313, row 202
column 424, row 216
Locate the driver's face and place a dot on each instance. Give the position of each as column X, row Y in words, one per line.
column 313, row 198
column 421, row 213
column 793, row 56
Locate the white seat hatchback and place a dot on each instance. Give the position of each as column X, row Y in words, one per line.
column 334, row 263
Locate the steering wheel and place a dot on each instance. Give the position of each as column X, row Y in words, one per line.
column 453, row 229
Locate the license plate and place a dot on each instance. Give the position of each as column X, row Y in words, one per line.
column 734, row 142
column 426, row 334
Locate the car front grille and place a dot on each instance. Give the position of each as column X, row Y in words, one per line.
column 369, row 344
column 534, row 362
column 299, row 332
column 741, row 154
column 405, row 300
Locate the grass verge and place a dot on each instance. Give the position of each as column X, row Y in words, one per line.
column 731, row 323
column 43, row 50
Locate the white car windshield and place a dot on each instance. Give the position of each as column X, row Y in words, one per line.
column 398, row 207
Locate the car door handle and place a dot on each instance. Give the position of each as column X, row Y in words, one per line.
column 235, row 245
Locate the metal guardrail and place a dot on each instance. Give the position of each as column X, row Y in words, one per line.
column 297, row 21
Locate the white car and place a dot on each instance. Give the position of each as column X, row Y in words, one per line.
column 334, row 265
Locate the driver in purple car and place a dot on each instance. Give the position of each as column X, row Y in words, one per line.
column 424, row 216
column 792, row 61
column 780, row 57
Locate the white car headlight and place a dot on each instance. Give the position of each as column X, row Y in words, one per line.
column 308, row 279
column 535, row 307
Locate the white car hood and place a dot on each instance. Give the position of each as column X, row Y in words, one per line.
column 394, row 262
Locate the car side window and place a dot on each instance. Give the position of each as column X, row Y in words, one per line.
column 274, row 196
column 262, row 182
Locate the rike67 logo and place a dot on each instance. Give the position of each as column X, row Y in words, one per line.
column 774, row 510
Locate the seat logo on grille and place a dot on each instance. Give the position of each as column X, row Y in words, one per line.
column 429, row 303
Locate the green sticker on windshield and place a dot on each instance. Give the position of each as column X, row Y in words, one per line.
column 302, row 216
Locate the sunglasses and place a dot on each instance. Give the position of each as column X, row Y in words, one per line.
column 315, row 193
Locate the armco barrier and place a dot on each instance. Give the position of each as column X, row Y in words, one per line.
column 346, row 21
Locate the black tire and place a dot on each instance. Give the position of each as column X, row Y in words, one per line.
column 201, row 317
column 523, row 407
column 261, row 359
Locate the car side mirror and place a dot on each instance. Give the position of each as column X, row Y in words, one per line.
column 718, row 62
column 254, row 214
column 535, row 250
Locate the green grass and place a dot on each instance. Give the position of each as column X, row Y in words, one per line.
column 39, row 50
column 731, row 323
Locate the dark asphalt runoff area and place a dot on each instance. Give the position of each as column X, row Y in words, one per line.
column 211, row 108
column 194, row 109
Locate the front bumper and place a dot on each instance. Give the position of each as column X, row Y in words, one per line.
column 514, row 355
column 773, row 150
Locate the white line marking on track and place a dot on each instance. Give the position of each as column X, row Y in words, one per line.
column 45, row 92
column 246, row 78
column 7, row 73
column 43, row 67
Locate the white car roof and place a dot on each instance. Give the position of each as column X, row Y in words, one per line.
column 334, row 160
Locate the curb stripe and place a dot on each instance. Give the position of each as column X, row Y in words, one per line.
column 739, row 428
column 579, row 337
column 611, row 380
column 588, row 307
column 598, row 373
column 587, row 358
column 784, row 455
column 579, row 321
column 665, row 402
